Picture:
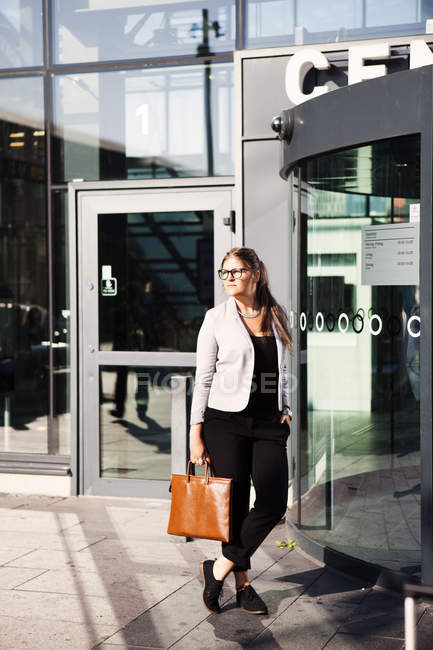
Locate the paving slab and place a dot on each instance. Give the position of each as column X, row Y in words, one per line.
column 38, row 634
column 159, row 560
column 118, row 584
column 235, row 628
column 27, row 500
column 73, row 608
column 110, row 646
column 168, row 621
column 11, row 577
column 97, row 504
column 73, row 539
column 381, row 613
column 11, row 554
column 111, row 527
column 20, row 520
column 333, row 586
column 52, row 559
column 279, row 578
column 425, row 630
column 350, row 642
column 305, row 624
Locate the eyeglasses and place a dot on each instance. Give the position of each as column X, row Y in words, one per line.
column 235, row 273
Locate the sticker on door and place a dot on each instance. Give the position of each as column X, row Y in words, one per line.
column 108, row 283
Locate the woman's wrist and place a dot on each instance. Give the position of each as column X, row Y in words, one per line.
column 195, row 431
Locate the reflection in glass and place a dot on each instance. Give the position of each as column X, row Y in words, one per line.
column 298, row 22
column 154, row 123
column 359, row 409
column 135, row 421
column 61, row 325
column 20, row 33
column 121, row 30
column 156, row 279
column 24, row 322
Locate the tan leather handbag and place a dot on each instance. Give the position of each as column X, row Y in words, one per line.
column 200, row 506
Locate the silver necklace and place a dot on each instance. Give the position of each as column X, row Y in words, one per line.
column 249, row 315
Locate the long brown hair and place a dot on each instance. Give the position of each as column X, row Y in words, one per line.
column 264, row 298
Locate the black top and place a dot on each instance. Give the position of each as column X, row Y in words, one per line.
column 263, row 402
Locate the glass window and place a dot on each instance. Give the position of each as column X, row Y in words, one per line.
column 61, row 438
column 163, row 122
column 403, row 13
column 135, row 421
column 24, row 320
column 21, row 42
column 298, row 22
column 359, row 327
column 156, row 278
column 101, row 30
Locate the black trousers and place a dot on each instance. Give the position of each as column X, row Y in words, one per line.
column 245, row 448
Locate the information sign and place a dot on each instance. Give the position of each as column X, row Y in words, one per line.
column 390, row 254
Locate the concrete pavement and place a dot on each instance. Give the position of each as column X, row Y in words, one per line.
column 93, row 572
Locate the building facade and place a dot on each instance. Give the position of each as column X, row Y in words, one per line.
column 137, row 148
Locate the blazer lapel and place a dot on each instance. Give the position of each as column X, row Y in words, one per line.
column 234, row 312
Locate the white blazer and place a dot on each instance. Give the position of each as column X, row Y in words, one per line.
column 225, row 363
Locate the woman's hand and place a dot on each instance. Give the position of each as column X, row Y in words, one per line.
column 286, row 415
column 197, row 450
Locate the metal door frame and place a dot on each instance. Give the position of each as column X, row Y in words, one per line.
column 392, row 106
column 81, row 196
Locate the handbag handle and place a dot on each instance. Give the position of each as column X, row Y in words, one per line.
column 206, row 471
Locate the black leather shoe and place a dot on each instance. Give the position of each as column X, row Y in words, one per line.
column 212, row 587
column 249, row 600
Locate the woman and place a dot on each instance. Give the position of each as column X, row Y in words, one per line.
column 240, row 416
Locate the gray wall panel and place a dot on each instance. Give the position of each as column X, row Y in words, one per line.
column 266, row 216
column 264, row 93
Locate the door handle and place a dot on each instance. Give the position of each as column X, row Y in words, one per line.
column 230, row 220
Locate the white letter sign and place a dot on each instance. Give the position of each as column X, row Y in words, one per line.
column 303, row 60
column 298, row 66
column 358, row 54
column 420, row 54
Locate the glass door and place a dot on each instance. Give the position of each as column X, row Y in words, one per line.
column 360, row 364
column 361, row 193
column 146, row 278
